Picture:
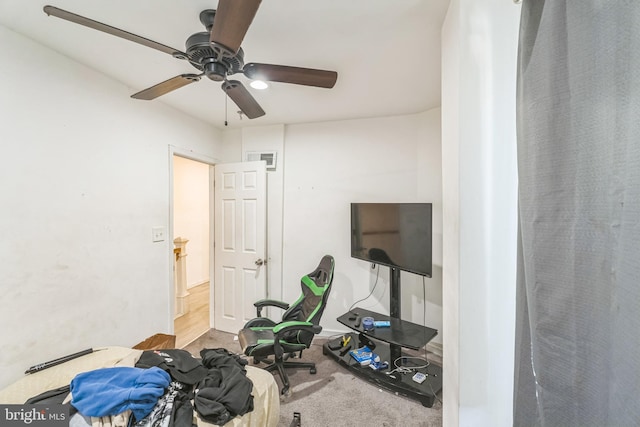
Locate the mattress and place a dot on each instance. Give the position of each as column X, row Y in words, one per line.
column 266, row 397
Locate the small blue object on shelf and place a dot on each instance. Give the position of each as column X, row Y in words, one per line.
column 362, row 354
column 367, row 323
column 382, row 324
column 378, row 365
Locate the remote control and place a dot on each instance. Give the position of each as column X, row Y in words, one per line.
column 335, row 345
column 345, row 350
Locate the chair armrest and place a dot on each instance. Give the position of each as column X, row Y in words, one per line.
column 259, row 305
column 282, row 328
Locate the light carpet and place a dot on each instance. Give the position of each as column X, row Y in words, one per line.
column 334, row 396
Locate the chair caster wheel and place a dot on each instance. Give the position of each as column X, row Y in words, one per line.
column 286, row 392
column 312, row 371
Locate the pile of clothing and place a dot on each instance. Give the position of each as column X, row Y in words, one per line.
column 160, row 391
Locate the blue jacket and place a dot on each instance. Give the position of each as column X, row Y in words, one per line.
column 111, row 391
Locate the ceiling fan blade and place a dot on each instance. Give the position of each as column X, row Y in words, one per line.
column 72, row 17
column 231, row 23
column 243, row 99
column 286, row 74
column 166, row 86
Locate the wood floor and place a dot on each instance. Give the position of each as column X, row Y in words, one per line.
column 195, row 322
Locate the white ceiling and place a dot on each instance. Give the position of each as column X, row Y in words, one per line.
column 386, row 53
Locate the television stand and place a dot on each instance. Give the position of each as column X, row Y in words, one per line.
column 388, row 345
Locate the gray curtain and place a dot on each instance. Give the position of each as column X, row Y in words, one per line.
column 578, row 299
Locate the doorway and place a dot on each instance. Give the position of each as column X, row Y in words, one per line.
column 192, row 237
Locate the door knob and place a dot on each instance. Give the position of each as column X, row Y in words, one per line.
column 259, row 262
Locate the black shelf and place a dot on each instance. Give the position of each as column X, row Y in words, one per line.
column 399, row 383
column 401, row 332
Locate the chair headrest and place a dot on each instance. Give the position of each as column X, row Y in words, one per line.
column 320, row 279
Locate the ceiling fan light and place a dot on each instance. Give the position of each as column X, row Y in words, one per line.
column 258, row 84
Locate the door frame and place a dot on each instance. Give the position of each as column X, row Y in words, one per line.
column 211, row 161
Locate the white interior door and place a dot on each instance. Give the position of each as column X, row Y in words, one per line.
column 240, row 221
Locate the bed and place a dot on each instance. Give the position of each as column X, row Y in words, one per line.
column 265, row 392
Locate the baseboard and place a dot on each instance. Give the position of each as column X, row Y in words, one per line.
column 435, row 348
column 326, row 333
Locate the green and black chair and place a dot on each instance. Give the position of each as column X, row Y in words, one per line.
column 261, row 337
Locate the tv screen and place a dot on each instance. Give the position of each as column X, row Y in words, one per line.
column 393, row 234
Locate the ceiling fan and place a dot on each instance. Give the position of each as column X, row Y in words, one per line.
column 217, row 54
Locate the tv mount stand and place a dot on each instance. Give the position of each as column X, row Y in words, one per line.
column 389, row 343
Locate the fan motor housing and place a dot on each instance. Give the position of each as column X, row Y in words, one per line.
column 206, row 59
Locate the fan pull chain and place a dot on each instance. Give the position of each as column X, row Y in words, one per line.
column 226, row 100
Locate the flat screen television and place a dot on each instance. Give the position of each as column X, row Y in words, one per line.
column 397, row 235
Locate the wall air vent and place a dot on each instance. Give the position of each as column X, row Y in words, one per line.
column 268, row 156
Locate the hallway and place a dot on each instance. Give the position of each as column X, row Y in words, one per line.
column 195, row 322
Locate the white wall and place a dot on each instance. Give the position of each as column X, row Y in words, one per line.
column 191, row 215
column 85, row 178
column 322, row 168
column 329, row 165
column 480, row 211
